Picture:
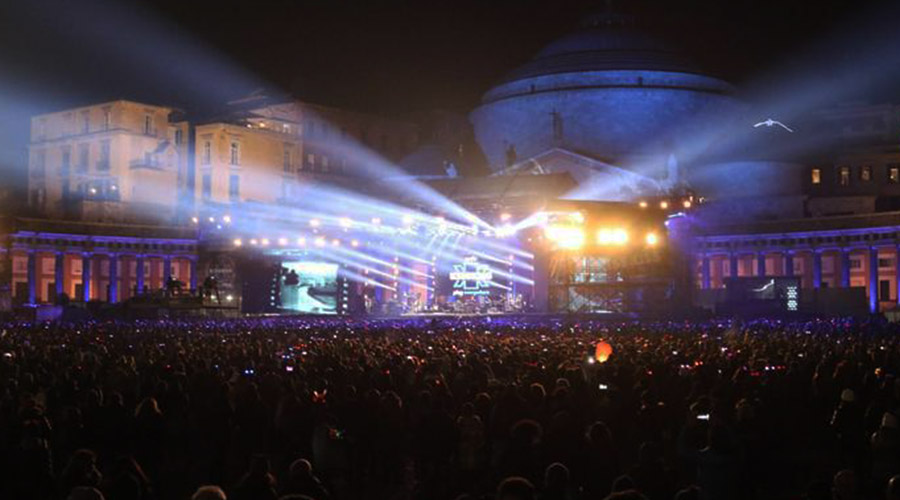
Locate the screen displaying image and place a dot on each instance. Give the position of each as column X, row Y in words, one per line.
column 309, row 287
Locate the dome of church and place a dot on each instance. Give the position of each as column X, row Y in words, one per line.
column 608, row 91
column 604, row 44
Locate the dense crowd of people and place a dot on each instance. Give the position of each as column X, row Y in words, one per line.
column 511, row 409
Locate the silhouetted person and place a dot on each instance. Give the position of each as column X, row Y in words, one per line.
column 515, row 488
column 81, row 471
column 258, row 483
column 209, row 492
column 302, row 481
column 556, row 483
column 892, row 491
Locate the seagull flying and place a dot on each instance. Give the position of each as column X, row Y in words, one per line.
column 770, row 123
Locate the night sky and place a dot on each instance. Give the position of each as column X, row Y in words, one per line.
column 392, row 57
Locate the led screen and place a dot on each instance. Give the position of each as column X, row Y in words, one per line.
column 309, row 287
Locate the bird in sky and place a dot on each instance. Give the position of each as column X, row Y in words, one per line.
column 771, row 123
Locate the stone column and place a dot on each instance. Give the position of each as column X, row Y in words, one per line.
column 139, row 271
column 86, row 275
column 704, row 272
column 167, row 270
column 59, row 275
column 761, row 264
column 817, row 268
column 845, row 268
column 788, row 263
column 113, row 279
column 897, row 273
column 873, row 280
column 193, row 271
column 32, row 277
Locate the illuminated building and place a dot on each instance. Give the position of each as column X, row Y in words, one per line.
column 607, row 91
column 264, row 150
column 606, row 122
column 109, row 162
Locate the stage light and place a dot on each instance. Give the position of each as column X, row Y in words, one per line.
column 651, row 239
column 301, row 242
column 664, row 204
column 265, row 241
column 612, row 237
column 282, row 241
column 238, row 242
column 566, row 236
column 229, row 298
column 314, row 223
column 212, row 219
column 345, row 222
column 354, row 243
column 643, row 204
column 320, row 241
column 226, row 219
column 407, row 220
column 254, row 241
column 376, row 221
column 687, row 204
column 335, row 243
column 505, row 216
column 505, row 231
column 195, row 220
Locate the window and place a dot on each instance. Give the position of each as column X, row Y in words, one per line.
column 207, row 153
column 324, row 163
column 85, row 122
column 885, row 262
column 865, row 173
column 103, row 162
column 844, row 176
column 83, row 157
column 235, row 153
column 107, row 118
column 148, row 125
column 287, row 159
column 234, row 187
column 816, row 176
column 884, row 290
column 42, row 129
column 66, row 154
column 855, row 263
column 311, row 160
column 893, row 173
column 207, row 186
column 40, row 163
column 178, row 137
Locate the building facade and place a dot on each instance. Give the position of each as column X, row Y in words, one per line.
column 267, row 152
column 116, row 190
column 110, row 162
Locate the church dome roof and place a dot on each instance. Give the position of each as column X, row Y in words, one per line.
column 605, row 42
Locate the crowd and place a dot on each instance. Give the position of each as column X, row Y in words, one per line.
column 506, row 409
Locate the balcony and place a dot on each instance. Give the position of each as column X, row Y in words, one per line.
column 149, row 162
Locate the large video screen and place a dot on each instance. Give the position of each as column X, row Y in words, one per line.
column 309, row 287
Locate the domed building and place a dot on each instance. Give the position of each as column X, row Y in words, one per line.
column 606, row 91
